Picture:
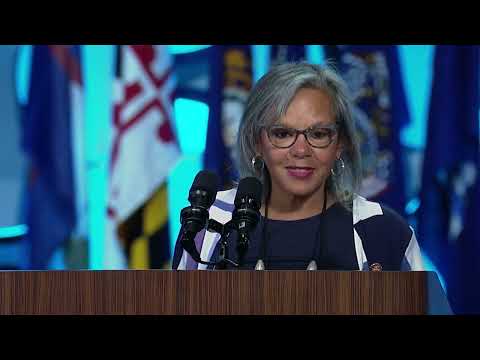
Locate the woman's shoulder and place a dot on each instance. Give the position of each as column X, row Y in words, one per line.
column 364, row 209
column 380, row 217
column 386, row 236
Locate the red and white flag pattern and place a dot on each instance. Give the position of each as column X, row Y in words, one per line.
column 144, row 147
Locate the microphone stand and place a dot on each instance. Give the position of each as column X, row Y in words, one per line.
column 224, row 231
column 223, row 254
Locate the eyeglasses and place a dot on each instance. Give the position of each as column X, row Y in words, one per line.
column 317, row 136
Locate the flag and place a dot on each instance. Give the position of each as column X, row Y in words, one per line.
column 144, row 150
column 380, row 111
column 286, row 53
column 145, row 233
column 231, row 80
column 193, row 71
column 449, row 200
column 462, row 285
column 55, row 103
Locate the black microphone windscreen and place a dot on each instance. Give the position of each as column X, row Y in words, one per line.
column 251, row 187
column 207, row 181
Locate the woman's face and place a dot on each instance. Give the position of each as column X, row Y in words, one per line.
column 302, row 170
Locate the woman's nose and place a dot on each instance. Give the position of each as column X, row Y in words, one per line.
column 301, row 147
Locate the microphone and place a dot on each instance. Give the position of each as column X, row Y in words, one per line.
column 246, row 213
column 195, row 217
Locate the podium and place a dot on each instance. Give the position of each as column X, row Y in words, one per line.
column 164, row 292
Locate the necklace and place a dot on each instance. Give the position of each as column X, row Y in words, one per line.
column 312, row 265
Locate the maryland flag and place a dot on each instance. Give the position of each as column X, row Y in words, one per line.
column 145, row 236
column 144, row 150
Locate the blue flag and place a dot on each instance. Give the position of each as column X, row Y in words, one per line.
column 373, row 76
column 463, row 286
column 449, row 201
column 286, row 53
column 46, row 139
column 231, row 80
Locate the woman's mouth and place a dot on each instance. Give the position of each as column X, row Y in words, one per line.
column 300, row 172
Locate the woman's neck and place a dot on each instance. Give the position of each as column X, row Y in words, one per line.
column 291, row 207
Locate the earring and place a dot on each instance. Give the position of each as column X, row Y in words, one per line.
column 258, row 163
column 342, row 167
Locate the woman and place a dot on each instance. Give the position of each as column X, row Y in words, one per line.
column 297, row 136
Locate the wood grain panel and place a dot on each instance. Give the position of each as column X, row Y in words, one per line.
column 212, row 292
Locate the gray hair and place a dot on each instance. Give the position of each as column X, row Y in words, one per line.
column 269, row 101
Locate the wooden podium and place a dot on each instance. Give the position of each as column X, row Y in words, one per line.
column 163, row 292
